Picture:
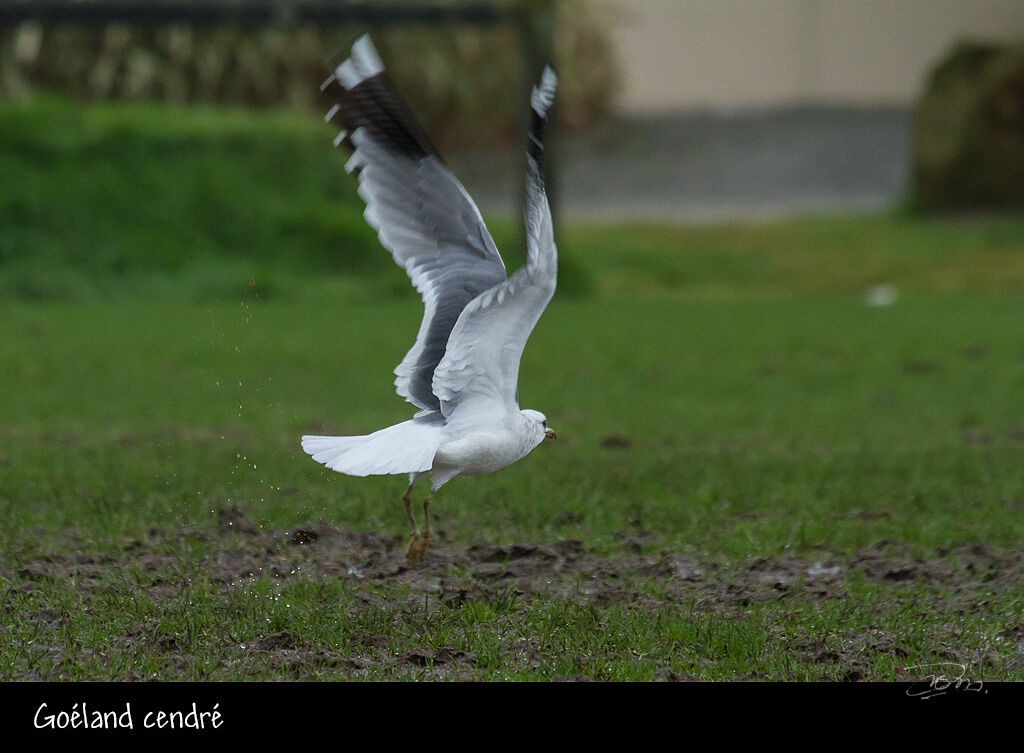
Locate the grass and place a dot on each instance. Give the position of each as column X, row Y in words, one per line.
column 726, row 403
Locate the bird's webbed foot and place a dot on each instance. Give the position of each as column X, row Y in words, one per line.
column 418, row 542
column 418, row 545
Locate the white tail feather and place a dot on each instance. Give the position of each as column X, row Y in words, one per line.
column 408, row 447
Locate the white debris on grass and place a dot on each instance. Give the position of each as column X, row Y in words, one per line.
column 881, row 295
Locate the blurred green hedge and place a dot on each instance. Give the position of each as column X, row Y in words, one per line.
column 451, row 75
column 969, row 130
column 113, row 201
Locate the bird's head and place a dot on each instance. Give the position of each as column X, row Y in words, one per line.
column 540, row 423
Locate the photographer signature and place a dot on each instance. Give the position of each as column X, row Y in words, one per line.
column 935, row 684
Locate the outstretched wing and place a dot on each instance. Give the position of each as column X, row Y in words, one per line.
column 481, row 363
column 420, row 211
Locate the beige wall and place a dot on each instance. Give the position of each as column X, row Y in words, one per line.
column 738, row 53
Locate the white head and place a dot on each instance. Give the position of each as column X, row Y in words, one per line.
column 539, row 423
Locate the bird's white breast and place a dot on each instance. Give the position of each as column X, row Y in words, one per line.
column 484, row 451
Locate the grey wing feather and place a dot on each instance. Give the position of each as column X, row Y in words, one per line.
column 481, row 363
column 421, row 212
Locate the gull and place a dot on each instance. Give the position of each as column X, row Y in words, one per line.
column 462, row 372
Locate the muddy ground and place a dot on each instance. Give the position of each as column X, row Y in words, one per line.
column 641, row 575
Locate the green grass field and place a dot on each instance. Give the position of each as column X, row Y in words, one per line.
column 757, row 475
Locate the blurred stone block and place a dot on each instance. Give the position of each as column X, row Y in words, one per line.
column 969, row 130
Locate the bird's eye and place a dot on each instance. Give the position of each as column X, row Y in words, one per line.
column 544, row 423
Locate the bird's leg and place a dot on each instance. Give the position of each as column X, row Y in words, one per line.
column 418, row 542
column 408, row 510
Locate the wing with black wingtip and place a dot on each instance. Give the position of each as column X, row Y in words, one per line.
column 421, row 212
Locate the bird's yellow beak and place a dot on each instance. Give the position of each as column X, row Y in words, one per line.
column 550, row 434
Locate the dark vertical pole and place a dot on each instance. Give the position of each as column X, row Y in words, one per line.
column 536, row 25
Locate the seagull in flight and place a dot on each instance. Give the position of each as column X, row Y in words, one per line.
column 463, row 369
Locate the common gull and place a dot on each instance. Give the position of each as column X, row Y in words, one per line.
column 463, row 369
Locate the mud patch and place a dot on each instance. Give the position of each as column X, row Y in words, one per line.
column 633, row 571
column 234, row 519
column 454, row 573
column 421, row 657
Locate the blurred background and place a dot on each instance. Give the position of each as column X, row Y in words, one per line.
column 689, row 110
